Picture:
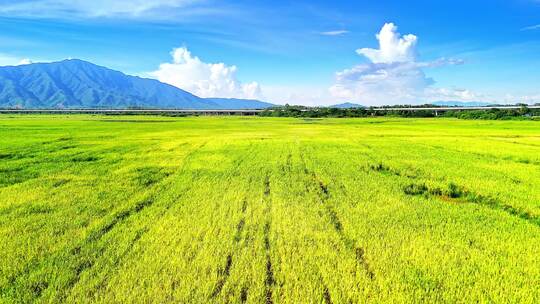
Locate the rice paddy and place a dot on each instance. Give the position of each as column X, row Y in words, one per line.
column 141, row 209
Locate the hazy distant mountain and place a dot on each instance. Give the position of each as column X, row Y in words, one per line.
column 461, row 104
column 346, row 105
column 81, row 84
column 234, row 103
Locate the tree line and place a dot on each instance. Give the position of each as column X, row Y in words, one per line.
column 523, row 112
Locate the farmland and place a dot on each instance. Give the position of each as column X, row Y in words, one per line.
column 120, row 209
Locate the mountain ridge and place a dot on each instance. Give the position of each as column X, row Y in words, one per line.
column 347, row 105
column 450, row 103
column 75, row 83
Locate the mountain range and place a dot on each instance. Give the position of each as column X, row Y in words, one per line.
column 80, row 84
column 346, row 105
column 460, row 103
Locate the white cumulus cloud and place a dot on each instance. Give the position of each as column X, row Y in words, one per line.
column 392, row 75
column 378, row 83
column 203, row 79
column 392, row 47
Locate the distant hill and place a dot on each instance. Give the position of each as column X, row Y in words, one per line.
column 346, row 105
column 461, row 104
column 234, row 103
column 80, row 84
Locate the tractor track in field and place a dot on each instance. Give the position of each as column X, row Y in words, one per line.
column 239, row 229
column 323, row 193
column 84, row 258
column 84, row 262
column 334, row 219
column 97, row 235
column 269, row 280
column 241, row 223
column 244, row 294
column 317, row 186
column 237, row 239
column 224, row 275
column 125, row 214
column 326, row 296
column 224, row 272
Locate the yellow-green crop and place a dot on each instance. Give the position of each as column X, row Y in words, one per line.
column 98, row 209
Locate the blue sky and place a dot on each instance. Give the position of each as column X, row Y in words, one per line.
column 312, row 52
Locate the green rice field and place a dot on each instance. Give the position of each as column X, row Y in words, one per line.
column 148, row 209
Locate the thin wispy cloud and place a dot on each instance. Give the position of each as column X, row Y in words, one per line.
column 334, row 33
column 106, row 8
column 531, row 28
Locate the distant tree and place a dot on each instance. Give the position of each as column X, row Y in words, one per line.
column 524, row 110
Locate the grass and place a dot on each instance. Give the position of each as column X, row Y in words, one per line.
column 97, row 209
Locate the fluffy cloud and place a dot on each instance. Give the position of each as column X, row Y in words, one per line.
column 189, row 73
column 392, row 47
column 380, row 82
column 89, row 8
column 393, row 74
